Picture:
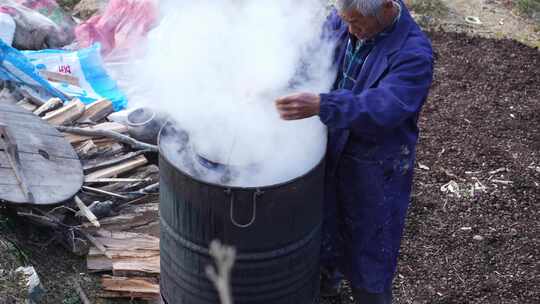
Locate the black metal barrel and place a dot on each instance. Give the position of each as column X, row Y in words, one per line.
column 275, row 230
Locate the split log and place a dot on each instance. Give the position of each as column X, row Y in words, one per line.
column 122, row 287
column 96, row 261
column 31, row 95
column 137, row 218
column 98, row 244
column 60, row 77
column 86, row 212
column 97, row 111
column 67, row 114
column 116, row 170
column 81, row 134
column 127, row 241
column 26, row 104
column 149, row 173
column 89, row 132
column 52, row 105
column 86, row 149
column 136, row 266
column 97, row 148
column 98, row 164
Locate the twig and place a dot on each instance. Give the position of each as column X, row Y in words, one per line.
column 117, row 180
column 503, row 182
column 135, row 144
column 82, row 295
column 41, row 220
column 60, row 207
column 224, row 257
column 105, row 192
column 149, row 189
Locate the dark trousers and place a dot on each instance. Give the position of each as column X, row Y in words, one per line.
column 363, row 297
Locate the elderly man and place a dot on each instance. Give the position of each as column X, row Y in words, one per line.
column 385, row 67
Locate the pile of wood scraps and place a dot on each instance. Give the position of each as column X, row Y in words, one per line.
column 114, row 218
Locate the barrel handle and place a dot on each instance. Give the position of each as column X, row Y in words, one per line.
column 256, row 195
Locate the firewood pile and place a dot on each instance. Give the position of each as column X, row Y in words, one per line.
column 113, row 220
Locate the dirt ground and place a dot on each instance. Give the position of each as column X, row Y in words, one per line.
column 498, row 19
column 478, row 241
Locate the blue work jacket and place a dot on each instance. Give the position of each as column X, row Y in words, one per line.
column 371, row 151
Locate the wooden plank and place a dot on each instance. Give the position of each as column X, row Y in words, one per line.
column 27, row 105
column 152, row 299
column 150, row 171
column 96, row 261
column 131, row 287
column 97, row 111
column 118, row 169
column 13, row 108
column 136, row 266
column 67, row 114
column 51, row 105
column 49, row 173
column 56, row 177
column 28, row 122
column 140, row 218
column 60, row 77
column 127, row 241
column 44, row 195
column 98, row 164
column 110, row 126
column 32, row 143
column 86, row 149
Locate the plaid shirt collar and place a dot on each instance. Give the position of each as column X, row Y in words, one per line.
column 356, row 55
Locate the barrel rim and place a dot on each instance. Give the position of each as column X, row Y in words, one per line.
column 268, row 187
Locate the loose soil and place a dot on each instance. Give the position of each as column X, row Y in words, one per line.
column 470, row 246
column 480, row 128
column 498, row 19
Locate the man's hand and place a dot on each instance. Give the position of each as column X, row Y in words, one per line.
column 298, row 106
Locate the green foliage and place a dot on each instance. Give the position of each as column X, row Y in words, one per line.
column 434, row 8
column 530, row 8
column 68, row 3
column 71, row 298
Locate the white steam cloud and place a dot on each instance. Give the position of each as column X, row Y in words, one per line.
column 216, row 67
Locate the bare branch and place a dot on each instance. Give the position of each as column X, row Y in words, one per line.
column 224, row 257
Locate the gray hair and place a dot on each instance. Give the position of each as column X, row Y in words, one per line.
column 365, row 7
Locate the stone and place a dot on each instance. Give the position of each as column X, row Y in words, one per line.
column 33, row 283
column 478, row 238
column 87, row 8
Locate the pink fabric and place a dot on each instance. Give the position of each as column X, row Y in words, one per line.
column 121, row 26
column 51, row 9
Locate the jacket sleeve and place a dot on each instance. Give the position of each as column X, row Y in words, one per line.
column 398, row 96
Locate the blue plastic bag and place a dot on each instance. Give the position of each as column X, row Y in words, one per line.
column 64, row 74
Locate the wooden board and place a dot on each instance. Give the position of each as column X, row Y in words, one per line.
column 51, row 168
column 121, row 287
column 124, row 253
column 110, row 126
column 118, row 169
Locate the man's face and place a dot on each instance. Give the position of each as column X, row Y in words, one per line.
column 362, row 27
